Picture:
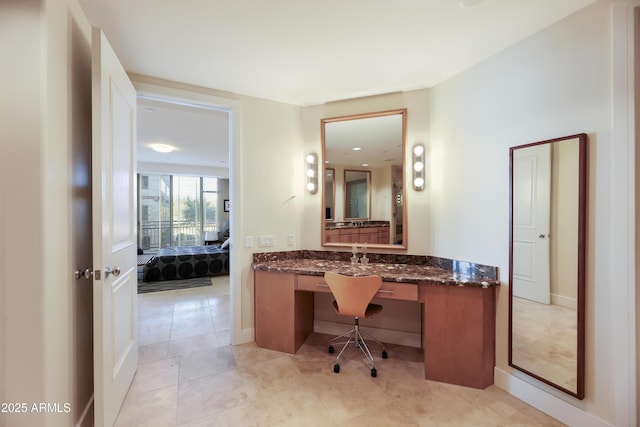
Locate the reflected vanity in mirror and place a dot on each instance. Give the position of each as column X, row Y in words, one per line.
column 547, row 261
column 363, row 191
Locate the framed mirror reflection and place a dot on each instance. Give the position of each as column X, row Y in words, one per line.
column 547, row 261
column 363, row 190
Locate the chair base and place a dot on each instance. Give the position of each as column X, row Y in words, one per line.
column 356, row 336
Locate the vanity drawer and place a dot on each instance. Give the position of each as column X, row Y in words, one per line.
column 388, row 290
column 401, row 291
column 312, row 284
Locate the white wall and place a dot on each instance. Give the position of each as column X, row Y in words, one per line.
column 555, row 83
column 271, row 174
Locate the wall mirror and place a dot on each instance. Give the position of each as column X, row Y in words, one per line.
column 547, row 261
column 364, row 195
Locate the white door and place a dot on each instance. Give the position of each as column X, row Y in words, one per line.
column 114, row 231
column 531, row 222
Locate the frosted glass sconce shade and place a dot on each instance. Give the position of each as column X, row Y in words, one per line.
column 418, row 165
column 312, row 173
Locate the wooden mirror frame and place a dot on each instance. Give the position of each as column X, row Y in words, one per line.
column 323, row 122
column 579, row 392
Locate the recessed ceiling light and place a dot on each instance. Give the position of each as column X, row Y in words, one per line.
column 365, row 164
column 356, row 148
column 162, row 148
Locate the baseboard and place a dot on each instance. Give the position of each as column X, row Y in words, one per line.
column 86, row 419
column 409, row 339
column 563, row 301
column 247, row 335
column 551, row 405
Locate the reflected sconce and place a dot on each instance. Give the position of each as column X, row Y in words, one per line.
column 312, row 173
column 417, row 164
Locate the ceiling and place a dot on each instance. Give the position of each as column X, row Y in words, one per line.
column 306, row 52
column 199, row 136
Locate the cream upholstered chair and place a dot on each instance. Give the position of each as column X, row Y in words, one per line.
column 353, row 297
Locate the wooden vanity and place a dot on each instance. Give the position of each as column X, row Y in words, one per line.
column 458, row 309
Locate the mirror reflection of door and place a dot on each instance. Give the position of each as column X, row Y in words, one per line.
column 356, row 194
column 531, row 217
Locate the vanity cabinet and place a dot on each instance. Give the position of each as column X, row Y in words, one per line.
column 458, row 322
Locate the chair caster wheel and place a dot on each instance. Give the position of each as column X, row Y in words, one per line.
column 336, row 368
column 374, row 373
column 384, row 354
column 331, row 349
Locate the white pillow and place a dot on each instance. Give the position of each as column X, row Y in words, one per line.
column 225, row 244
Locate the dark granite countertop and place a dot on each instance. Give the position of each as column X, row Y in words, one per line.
column 391, row 267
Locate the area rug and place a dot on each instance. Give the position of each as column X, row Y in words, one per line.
column 167, row 285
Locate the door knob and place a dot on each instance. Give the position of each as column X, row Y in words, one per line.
column 115, row 271
column 542, row 236
column 87, row 273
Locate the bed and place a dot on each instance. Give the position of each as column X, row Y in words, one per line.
column 187, row 262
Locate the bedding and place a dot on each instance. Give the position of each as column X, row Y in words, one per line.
column 186, row 262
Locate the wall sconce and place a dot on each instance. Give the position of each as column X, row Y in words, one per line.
column 312, row 173
column 418, row 167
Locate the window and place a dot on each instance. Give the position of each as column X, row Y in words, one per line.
column 177, row 210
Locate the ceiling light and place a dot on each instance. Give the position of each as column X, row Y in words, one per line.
column 162, row 148
column 356, row 148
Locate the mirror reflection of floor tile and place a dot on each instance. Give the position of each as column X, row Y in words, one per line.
column 545, row 341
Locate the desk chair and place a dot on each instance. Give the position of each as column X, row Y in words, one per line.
column 353, row 297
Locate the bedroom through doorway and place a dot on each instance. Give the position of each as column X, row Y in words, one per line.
column 184, row 225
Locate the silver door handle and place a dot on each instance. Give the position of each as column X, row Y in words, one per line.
column 542, row 236
column 108, row 271
column 87, row 273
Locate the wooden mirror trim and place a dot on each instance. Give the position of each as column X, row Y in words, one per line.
column 581, row 274
column 323, row 222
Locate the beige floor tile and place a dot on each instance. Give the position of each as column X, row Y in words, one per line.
column 188, row 345
column 149, row 409
column 205, row 363
column 153, row 352
column 211, row 395
column 156, row 374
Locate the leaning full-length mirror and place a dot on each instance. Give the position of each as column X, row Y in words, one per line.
column 547, row 261
column 364, row 199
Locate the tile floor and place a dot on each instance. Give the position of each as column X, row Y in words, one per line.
column 189, row 375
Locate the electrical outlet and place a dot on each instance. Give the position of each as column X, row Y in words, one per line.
column 248, row 241
column 290, row 239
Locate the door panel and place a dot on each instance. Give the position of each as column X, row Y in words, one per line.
column 114, row 231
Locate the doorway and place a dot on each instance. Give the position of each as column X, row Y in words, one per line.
column 218, row 110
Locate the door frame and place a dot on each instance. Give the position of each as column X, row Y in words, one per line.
column 200, row 99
